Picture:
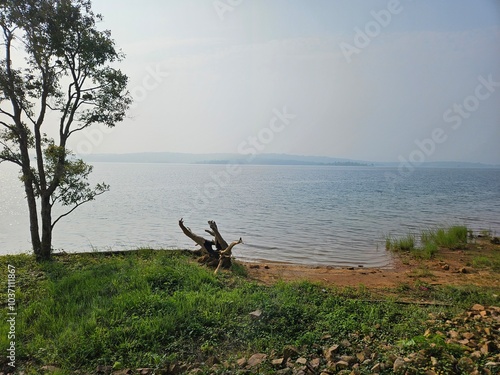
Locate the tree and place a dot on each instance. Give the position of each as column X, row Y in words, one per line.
column 56, row 79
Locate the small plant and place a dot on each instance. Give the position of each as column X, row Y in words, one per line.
column 406, row 243
column 430, row 241
column 451, row 238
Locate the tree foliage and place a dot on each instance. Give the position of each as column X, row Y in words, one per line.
column 57, row 78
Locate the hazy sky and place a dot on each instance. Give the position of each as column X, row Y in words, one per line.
column 370, row 80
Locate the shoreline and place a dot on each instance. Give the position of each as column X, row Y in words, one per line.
column 448, row 267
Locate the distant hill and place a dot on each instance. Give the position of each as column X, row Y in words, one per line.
column 444, row 164
column 260, row 159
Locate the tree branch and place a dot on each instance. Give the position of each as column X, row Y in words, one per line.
column 7, row 113
column 78, row 129
column 75, row 207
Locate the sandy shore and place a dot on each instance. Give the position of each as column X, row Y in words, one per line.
column 449, row 267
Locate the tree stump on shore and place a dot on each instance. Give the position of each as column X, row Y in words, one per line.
column 220, row 257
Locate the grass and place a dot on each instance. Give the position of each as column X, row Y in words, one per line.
column 406, row 243
column 149, row 308
column 492, row 261
column 454, row 237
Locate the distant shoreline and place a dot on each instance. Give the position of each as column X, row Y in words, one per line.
column 264, row 159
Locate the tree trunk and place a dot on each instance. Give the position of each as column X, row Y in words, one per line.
column 220, row 258
column 33, row 215
column 46, row 213
column 31, row 199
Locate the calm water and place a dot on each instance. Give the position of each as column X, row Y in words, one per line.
column 328, row 215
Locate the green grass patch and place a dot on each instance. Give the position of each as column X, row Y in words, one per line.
column 453, row 237
column 492, row 261
column 429, row 242
column 406, row 243
column 148, row 308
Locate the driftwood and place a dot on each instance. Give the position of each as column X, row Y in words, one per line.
column 220, row 257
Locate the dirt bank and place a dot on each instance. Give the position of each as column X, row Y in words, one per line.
column 449, row 267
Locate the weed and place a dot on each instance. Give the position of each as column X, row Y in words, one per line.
column 406, row 243
column 430, row 241
column 453, row 237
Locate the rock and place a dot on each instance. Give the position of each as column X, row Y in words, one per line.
column 330, row 352
column 488, row 347
column 376, row 369
column 278, row 362
column 477, row 307
column 301, row 361
column 256, row 359
column 255, row 314
column 495, row 241
column 492, row 364
column 475, row 354
column 366, row 362
column 463, row 270
column 254, row 266
column 349, row 359
column 241, row 362
column 345, row 343
column 468, row 335
column 453, row 334
column 361, row 357
column 399, row 365
column 445, row 267
column 315, row 362
column 145, row 371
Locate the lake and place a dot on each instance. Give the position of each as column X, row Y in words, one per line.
column 326, row 215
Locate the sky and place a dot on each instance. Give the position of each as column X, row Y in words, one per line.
column 364, row 80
